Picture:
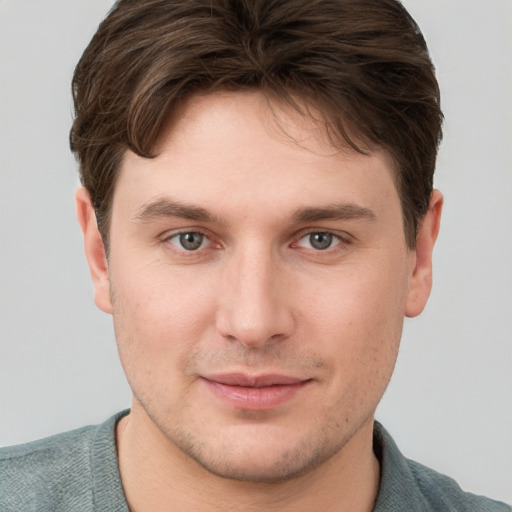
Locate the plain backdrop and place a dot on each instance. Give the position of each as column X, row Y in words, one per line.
column 449, row 404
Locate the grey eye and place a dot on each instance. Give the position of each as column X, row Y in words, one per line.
column 320, row 241
column 190, row 241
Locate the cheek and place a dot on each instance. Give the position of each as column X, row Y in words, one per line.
column 356, row 319
column 364, row 303
column 159, row 318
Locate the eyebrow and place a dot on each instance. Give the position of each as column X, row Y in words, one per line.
column 343, row 211
column 166, row 208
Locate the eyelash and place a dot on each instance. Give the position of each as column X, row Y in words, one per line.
column 338, row 240
column 169, row 238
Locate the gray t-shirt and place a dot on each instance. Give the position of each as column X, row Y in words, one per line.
column 78, row 472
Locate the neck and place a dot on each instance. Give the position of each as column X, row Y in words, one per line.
column 158, row 477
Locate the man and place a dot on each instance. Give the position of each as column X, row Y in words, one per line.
column 258, row 217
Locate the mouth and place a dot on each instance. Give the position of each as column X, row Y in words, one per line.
column 254, row 392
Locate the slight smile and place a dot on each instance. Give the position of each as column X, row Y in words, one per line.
column 255, row 393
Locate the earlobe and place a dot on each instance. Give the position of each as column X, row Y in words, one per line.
column 420, row 279
column 94, row 250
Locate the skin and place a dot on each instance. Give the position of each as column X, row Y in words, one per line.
column 257, row 297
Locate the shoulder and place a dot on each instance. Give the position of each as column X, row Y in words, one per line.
column 409, row 486
column 57, row 473
column 442, row 491
column 42, row 474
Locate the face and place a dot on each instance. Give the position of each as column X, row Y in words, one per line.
column 258, row 280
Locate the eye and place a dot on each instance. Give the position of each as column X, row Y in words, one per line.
column 319, row 241
column 191, row 241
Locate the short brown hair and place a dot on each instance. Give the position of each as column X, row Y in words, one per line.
column 362, row 62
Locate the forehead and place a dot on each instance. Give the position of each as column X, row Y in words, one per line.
column 240, row 149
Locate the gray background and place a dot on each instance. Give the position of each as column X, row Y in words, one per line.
column 449, row 404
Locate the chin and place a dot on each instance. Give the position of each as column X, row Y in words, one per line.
column 259, row 458
column 256, row 469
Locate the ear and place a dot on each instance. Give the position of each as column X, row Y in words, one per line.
column 420, row 279
column 94, row 250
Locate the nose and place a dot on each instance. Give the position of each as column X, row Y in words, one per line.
column 254, row 302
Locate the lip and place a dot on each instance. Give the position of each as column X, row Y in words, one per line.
column 254, row 392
